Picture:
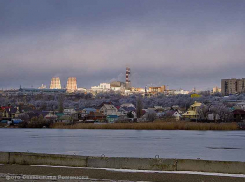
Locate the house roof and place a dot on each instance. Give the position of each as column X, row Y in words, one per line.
column 143, row 112
column 128, row 109
column 109, row 106
column 59, row 114
column 89, row 109
column 238, row 111
column 241, row 103
column 36, row 113
column 103, row 103
column 96, row 114
column 170, row 112
column 190, row 113
column 5, row 107
column 11, row 110
column 51, row 115
column 196, row 104
column 127, row 105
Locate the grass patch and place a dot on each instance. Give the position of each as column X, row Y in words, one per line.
column 181, row 125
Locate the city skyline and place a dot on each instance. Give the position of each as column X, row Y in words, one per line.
column 183, row 44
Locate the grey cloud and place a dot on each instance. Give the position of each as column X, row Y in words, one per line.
column 172, row 47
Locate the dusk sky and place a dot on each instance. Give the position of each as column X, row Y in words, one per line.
column 180, row 43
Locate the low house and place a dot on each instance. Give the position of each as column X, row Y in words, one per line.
column 33, row 114
column 96, row 116
column 73, row 113
column 191, row 113
column 65, row 118
column 10, row 112
column 158, row 107
column 149, row 115
column 213, row 117
column 112, row 118
column 107, row 109
column 110, row 111
column 27, row 108
column 241, row 105
column 16, row 121
column 175, row 107
column 127, row 105
column 239, row 115
column 87, row 111
column 173, row 113
column 1, row 114
column 166, row 108
column 51, row 116
column 69, row 111
column 128, row 111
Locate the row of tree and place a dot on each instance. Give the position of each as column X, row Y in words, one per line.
column 80, row 101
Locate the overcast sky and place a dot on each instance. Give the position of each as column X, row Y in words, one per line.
column 180, row 43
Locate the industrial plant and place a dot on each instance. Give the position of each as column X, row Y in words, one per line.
column 122, row 87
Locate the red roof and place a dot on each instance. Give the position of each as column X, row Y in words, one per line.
column 5, row 107
column 239, row 111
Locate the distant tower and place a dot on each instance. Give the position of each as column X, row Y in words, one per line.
column 128, row 82
column 71, row 85
column 55, row 83
column 145, row 91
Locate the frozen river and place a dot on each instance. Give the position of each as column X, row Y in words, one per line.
column 211, row 145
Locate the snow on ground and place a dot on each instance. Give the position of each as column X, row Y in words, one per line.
column 150, row 171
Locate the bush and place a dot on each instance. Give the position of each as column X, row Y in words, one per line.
column 180, row 125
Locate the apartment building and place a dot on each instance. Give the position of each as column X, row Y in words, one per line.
column 232, row 86
column 155, row 90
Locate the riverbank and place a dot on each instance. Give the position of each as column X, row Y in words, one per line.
column 181, row 125
column 105, row 175
column 128, row 163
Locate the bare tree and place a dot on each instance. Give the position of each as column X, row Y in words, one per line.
column 139, row 106
column 61, row 104
column 151, row 115
column 203, row 112
column 24, row 117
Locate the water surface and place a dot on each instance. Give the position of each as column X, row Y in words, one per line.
column 210, row 145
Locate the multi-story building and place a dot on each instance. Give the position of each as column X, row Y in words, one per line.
column 232, row 86
column 128, row 81
column 138, row 90
column 216, row 89
column 71, row 85
column 155, row 90
column 82, row 90
column 118, row 86
column 180, row 92
column 35, row 91
column 55, row 83
column 42, row 87
column 103, row 87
